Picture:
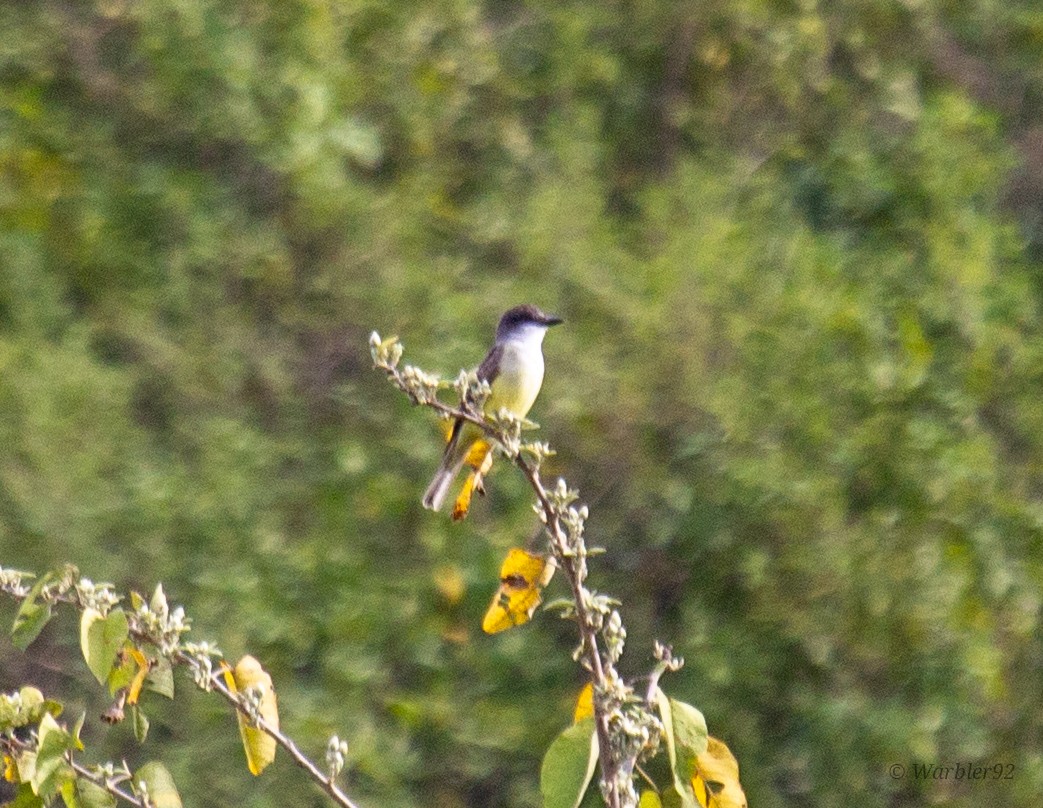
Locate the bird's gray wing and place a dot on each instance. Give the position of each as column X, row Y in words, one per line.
column 490, row 367
column 487, row 372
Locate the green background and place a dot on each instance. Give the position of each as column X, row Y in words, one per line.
column 798, row 247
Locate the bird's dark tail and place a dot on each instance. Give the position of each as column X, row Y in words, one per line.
column 436, row 493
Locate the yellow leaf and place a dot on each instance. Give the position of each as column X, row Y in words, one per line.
column 480, row 459
column 259, row 746
column 716, row 779
column 449, row 581
column 702, row 791
column 456, row 634
column 463, row 500
column 10, row 769
column 144, row 666
column 479, row 455
column 649, row 799
column 522, row 578
column 584, row 704
column 229, row 676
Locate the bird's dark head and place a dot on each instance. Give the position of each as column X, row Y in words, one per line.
column 526, row 315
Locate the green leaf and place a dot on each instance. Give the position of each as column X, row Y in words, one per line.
column 566, row 605
column 32, row 615
column 681, row 794
column 26, row 765
column 101, row 638
column 121, row 674
column 28, row 707
column 51, row 766
column 672, row 798
column 77, row 728
column 689, row 735
column 32, row 698
column 25, row 798
column 82, row 793
column 51, row 706
column 8, row 714
column 157, row 781
column 568, row 766
column 32, row 707
column 92, row 795
column 666, row 714
column 161, row 678
column 140, row 722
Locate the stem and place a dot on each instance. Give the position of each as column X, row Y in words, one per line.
column 588, row 636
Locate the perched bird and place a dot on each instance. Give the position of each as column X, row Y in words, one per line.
column 514, row 370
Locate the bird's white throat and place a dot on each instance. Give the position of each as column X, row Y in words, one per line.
column 527, row 334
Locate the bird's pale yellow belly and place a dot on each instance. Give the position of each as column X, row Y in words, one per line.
column 519, row 381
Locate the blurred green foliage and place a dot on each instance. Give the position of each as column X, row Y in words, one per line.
column 798, row 246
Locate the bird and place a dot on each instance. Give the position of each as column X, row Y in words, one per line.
column 513, row 369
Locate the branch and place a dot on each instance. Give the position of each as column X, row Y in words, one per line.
column 287, row 743
column 626, row 725
column 12, row 746
column 154, row 627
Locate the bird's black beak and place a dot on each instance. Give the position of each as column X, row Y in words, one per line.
column 550, row 320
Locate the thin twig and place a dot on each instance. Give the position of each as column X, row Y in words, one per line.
column 103, row 782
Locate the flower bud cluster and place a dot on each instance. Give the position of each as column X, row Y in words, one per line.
column 623, row 786
column 201, row 659
column 110, row 774
column 101, row 597
column 336, row 755
column 54, row 585
column 561, row 495
column 634, row 732
column 386, row 353
column 664, row 655
column 421, row 387
column 508, row 427
column 472, row 391
column 13, row 582
column 250, row 698
column 642, row 728
column 573, row 520
column 163, row 625
column 615, row 635
column 538, row 450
